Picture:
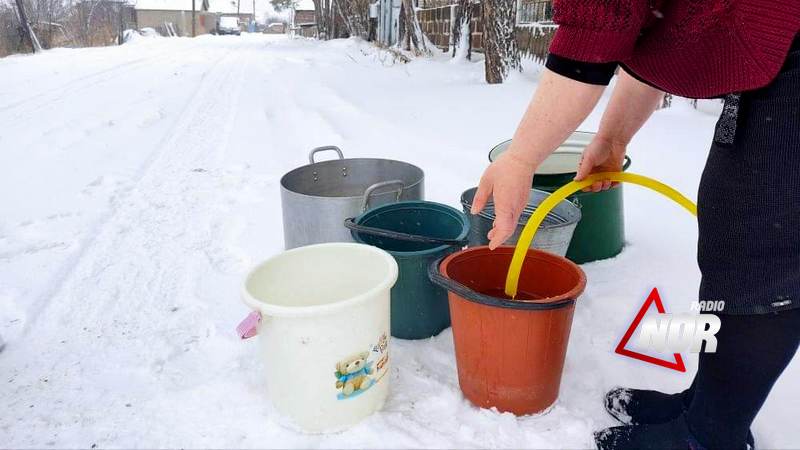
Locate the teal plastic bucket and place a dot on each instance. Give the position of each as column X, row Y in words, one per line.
column 415, row 233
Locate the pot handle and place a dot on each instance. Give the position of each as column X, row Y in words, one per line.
column 323, row 149
column 352, row 225
column 370, row 190
column 248, row 327
column 465, row 292
column 627, row 163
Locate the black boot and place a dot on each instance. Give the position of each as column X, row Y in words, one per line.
column 670, row 435
column 639, row 406
column 644, row 407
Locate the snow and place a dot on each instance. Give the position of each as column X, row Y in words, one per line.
column 131, row 36
column 140, row 182
column 304, row 5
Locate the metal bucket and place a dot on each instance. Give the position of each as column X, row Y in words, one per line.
column 316, row 198
column 554, row 234
column 601, row 232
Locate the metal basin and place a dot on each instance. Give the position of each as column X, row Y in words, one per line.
column 555, row 232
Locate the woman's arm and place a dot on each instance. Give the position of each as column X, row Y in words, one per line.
column 559, row 105
column 631, row 104
column 589, row 32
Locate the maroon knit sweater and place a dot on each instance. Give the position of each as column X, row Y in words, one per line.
column 692, row 48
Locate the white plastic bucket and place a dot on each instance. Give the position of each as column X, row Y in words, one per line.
column 324, row 331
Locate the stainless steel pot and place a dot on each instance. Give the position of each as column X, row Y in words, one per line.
column 317, row 198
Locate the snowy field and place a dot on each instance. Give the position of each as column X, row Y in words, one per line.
column 139, row 183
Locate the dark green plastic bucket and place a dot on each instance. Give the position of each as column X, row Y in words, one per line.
column 419, row 308
column 601, row 232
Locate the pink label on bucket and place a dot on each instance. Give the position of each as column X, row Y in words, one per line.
column 249, row 326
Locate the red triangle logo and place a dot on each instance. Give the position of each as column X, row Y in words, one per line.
column 621, row 350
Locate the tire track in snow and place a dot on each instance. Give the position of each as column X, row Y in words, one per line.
column 71, row 263
column 82, row 83
column 127, row 297
column 26, row 109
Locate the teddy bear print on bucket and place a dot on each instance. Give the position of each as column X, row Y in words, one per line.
column 353, row 375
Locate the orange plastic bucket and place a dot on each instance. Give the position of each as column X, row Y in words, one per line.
column 510, row 353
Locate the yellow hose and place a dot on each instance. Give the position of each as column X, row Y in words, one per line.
column 525, row 239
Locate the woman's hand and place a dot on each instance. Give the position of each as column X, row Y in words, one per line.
column 601, row 155
column 559, row 105
column 508, row 180
column 630, row 106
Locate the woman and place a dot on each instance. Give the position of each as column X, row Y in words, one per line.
column 749, row 201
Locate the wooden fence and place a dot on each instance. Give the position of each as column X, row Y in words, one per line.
column 533, row 39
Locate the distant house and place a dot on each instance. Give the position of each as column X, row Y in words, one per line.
column 276, row 28
column 304, row 18
column 174, row 17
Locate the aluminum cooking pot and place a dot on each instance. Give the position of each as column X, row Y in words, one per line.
column 316, row 198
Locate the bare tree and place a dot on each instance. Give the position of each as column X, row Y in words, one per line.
column 323, row 9
column 355, row 15
column 411, row 37
column 26, row 25
column 500, row 47
column 462, row 37
column 96, row 22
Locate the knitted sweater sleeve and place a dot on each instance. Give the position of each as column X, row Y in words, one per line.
column 598, row 31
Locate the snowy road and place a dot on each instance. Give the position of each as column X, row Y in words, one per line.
column 138, row 184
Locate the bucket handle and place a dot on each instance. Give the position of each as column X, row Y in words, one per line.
column 370, row 190
column 351, row 224
column 627, row 163
column 465, row 292
column 323, row 149
column 248, row 327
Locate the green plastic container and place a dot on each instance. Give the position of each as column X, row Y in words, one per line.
column 419, row 309
column 601, row 232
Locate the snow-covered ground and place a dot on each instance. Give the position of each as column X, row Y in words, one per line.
column 139, row 183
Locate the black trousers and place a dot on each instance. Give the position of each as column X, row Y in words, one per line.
column 749, row 200
column 732, row 384
column 749, row 257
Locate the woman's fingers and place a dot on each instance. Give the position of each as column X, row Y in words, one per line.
column 504, row 225
column 508, row 182
column 599, row 156
column 505, row 221
column 585, row 167
column 482, row 195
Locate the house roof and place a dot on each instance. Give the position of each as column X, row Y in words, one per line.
column 214, row 6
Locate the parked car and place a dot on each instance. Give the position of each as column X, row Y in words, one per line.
column 228, row 25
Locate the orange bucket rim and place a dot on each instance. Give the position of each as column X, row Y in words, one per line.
column 572, row 294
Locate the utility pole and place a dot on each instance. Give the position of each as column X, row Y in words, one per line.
column 193, row 20
column 23, row 18
column 120, row 31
